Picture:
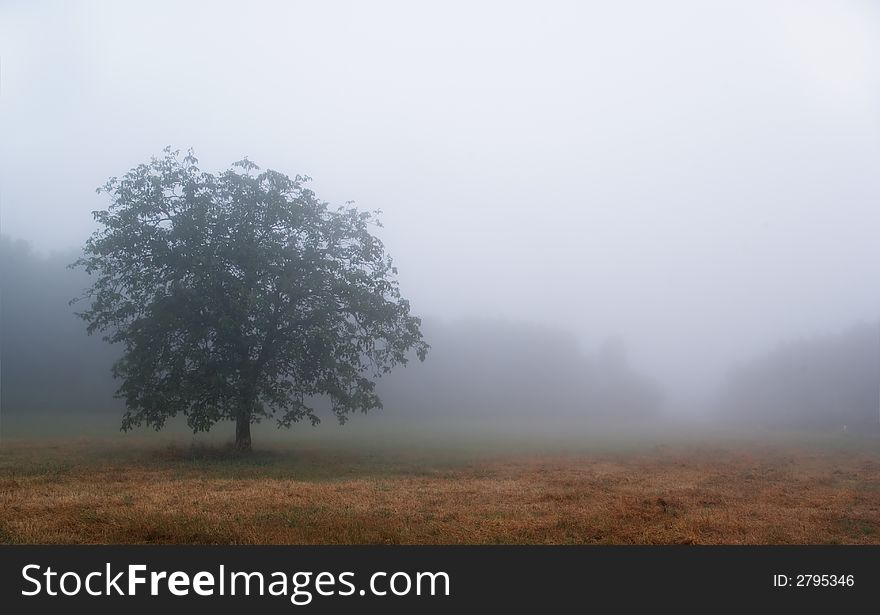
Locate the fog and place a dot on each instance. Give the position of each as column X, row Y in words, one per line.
column 599, row 209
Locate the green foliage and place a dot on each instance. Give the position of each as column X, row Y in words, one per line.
column 241, row 296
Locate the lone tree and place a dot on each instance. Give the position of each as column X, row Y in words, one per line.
column 241, row 296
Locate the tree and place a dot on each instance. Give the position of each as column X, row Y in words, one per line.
column 240, row 296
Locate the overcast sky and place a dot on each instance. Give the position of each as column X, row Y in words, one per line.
column 701, row 179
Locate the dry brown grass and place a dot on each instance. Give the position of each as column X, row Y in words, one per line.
column 729, row 494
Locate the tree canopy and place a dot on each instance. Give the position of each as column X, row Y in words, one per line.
column 241, row 296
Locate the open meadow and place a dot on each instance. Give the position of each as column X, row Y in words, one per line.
column 715, row 490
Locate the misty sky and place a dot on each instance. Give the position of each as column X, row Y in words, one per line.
column 700, row 179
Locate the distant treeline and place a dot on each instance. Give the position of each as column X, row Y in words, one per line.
column 480, row 368
column 498, row 369
column 47, row 361
column 829, row 381
column 487, row 369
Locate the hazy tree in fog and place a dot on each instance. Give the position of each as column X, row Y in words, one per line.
column 507, row 371
column 49, row 365
column 239, row 296
column 824, row 382
column 615, row 389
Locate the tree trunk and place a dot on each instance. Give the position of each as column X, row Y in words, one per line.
column 243, row 433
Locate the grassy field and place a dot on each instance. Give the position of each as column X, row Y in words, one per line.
column 722, row 490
